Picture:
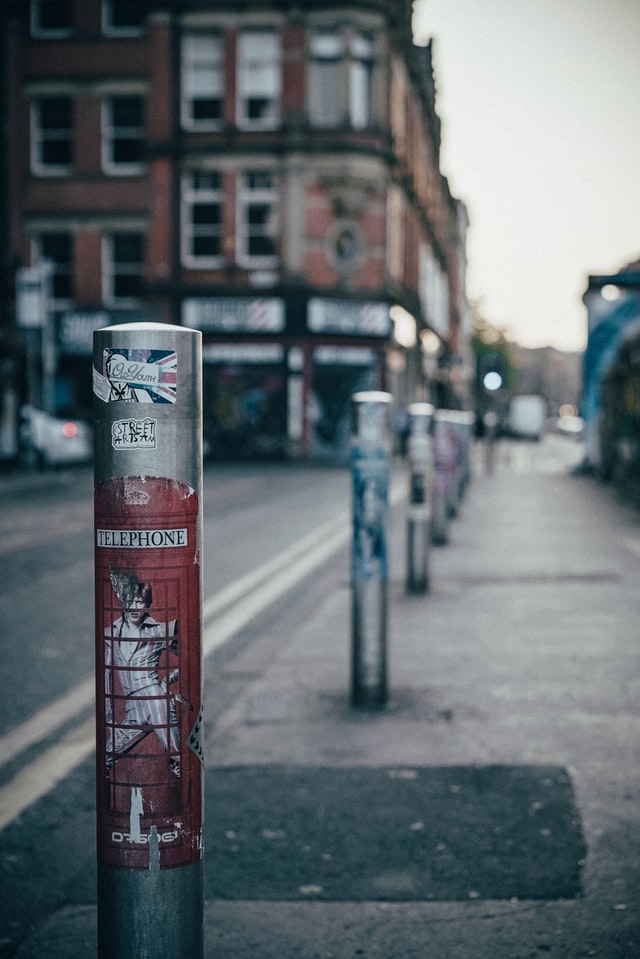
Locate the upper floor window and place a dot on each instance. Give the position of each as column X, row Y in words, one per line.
column 50, row 18
column 124, row 17
column 360, row 67
column 123, row 134
column 52, row 135
column 122, row 269
column 202, row 218
column 257, row 218
column 202, row 80
column 341, row 69
column 57, row 249
column 259, row 80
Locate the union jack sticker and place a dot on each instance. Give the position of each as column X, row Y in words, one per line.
column 137, row 376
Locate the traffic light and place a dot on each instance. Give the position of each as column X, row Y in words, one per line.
column 492, row 371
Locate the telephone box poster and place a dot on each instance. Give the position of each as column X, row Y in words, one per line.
column 149, row 742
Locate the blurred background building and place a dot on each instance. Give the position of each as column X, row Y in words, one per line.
column 266, row 172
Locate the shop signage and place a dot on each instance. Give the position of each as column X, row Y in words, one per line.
column 234, row 314
column 350, row 317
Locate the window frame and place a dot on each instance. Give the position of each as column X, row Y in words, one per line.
column 110, row 138
column 41, row 136
column 214, row 65
column 348, row 69
column 255, row 72
column 191, row 196
column 62, row 279
column 326, row 70
column 112, row 269
column 360, row 68
column 265, row 196
column 36, row 27
column 111, row 29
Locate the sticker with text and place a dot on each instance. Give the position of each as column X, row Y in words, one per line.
column 136, row 376
column 134, row 434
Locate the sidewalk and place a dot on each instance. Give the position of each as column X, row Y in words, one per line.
column 491, row 810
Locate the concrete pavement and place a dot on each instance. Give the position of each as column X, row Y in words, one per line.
column 492, row 809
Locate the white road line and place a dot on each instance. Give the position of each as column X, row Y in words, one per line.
column 44, row 773
column 253, row 603
column 244, row 584
column 243, row 600
column 47, row 720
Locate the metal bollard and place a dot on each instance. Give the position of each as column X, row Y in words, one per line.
column 467, row 421
column 490, row 421
column 443, row 470
column 148, row 490
column 371, row 469
column 420, row 496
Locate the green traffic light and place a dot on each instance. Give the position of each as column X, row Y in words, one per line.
column 492, row 381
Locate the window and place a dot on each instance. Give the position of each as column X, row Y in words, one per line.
column 259, row 80
column 50, row 18
column 257, row 220
column 202, row 218
column 51, row 135
column 325, row 87
column 340, row 79
column 124, row 135
column 57, row 248
column 360, row 70
column 124, row 17
column 123, row 269
column 202, row 81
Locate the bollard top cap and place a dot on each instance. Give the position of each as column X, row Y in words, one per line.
column 371, row 396
column 421, row 409
column 146, row 327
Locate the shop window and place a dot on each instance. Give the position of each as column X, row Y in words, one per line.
column 50, row 18
column 259, row 80
column 123, row 17
column 57, row 249
column 52, row 135
column 123, row 269
column 123, row 134
column 340, row 78
column 202, row 81
column 258, row 218
column 202, row 218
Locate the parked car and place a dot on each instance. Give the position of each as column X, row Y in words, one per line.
column 53, row 441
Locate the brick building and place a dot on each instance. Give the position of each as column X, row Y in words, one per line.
column 266, row 172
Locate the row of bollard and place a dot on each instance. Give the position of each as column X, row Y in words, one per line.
column 452, row 432
column 439, row 472
column 148, row 614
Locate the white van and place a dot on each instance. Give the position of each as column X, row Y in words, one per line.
column 527, row 415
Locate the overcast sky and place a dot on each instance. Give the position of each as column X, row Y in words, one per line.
column 540, row 109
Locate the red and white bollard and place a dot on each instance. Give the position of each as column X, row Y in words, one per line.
column 148, row 491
